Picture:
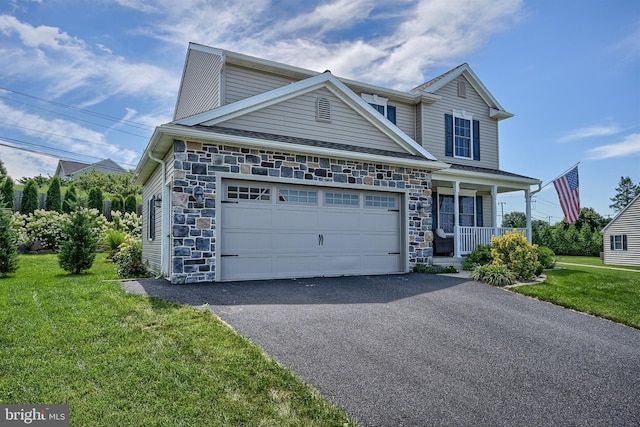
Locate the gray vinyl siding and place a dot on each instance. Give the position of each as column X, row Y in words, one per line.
column 200, row 89
column 433, row 130
column 151, row 249
column 242, row 83
column 405, row 118
column 627, row 223
column 297, row 118
column 418, row 113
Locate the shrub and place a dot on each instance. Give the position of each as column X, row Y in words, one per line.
column 128, row 259
column 7, row 193
column 95, row 199
column 45, row 226
column 434, row 269
column 546, row 257
column 128, row 222
column 70, row 200
column 112, row 241
column 492, row 274
column 117, row 203
column 514, row 251
column 79, row 251
column 131, row 204
column 8, row 249
column 53, row 201
column 29, row 201
column 480, row 256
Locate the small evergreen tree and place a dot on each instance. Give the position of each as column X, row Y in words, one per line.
column 54, row 196
column 131, row 204
column 117, row 203
column 70, row 200
column 78, row 252
column 8, row 248
column 29, row 201
column 95, row 199
column 625, row 193
column 3, row 170
column 7, row 193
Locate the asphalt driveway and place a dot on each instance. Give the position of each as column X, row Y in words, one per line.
column 422, row 350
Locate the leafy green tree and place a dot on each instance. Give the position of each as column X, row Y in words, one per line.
column 117, row 203
column 514, row 220
column 78, row 252
column 54, row 196
column 592, row 219
column 131, row 204
column 3, row 170
column 39, row 180
column 625, row 193
column 29, row 201
column 95, row 199
column 7, row 193
column 109, row 183
column 70, row 200
column 8, row 246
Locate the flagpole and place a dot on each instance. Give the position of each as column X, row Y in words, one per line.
column 562, row 174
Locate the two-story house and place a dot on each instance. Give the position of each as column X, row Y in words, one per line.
column 274, row 171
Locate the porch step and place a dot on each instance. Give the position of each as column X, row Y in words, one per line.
column 446, row 261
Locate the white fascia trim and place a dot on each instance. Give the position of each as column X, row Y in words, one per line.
column 239, row 108
column 615, row 218
column 473, row 177
column 205, row 136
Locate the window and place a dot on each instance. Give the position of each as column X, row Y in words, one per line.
column 381, row 106
column 619, row 242
column 446, row 213
column 300, row 197
column 380, row 202
column 341, row 199
column 462, row 136
column 462, row 89
column 237, row 192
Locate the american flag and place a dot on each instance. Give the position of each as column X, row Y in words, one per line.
column 568, row 188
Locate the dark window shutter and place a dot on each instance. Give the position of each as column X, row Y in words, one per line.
column 152, row 219
column 476, row 140
column 448, row 135
column 611, row 241
column 624, row 242
column 434, row 210
column 391, row 114
column 479, row 219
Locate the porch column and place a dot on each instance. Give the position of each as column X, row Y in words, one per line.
column 456, row 220
column 494, row 209
column 527, row 198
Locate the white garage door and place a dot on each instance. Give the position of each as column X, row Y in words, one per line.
column 271, row 231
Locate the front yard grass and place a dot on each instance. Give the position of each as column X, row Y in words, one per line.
column 611, row 294
column 128, row 360
column 590, row 260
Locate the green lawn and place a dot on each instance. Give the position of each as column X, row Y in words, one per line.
column 127, row 360
column 590, row 260
column 612, row 294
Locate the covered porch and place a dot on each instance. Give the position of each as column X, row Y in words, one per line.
column 465, row 208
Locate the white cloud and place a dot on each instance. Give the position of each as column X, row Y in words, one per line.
column 65, row 64
column 629, row 146
column 21, row 163
column 590, row 132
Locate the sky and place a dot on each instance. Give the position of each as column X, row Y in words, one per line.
column 86, row 80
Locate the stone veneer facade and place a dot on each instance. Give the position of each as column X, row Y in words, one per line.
column 193, row 245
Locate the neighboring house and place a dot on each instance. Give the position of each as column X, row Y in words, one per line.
column 273, row 171
column 70, row 170
column 621, row 237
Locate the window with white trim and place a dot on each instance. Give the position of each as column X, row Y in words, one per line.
column 381, row 105
column 619, row 242
column 446, row 212
column 298, row 197
column 341, row 199
column 240, row 192
column 380, row 202
column 462, row 135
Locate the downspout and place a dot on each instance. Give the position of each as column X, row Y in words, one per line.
column 165, row 199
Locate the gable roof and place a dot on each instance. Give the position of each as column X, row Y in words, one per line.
column 67, row 167
column 635, row 200
column 325, row 80
column 433, row 85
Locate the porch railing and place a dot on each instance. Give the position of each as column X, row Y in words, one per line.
column 471, row 237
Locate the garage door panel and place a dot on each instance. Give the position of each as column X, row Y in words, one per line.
column 295, row 241
column 341, row 264
column 372, row 220
column 297, row 266
column 239, row 241
column 380, row 242
column 246, row 268
column 381, row 263
column 341, row 219
column 247, row 215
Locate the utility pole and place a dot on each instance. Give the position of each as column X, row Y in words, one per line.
column 502, row 210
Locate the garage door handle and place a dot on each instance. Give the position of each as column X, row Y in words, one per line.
column 225, row 255
column 393, row 253
column 321, row 239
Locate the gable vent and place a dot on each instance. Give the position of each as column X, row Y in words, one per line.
column 323, row 110
column 462, row 89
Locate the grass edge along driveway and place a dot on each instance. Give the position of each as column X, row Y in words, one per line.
column 612, row 294
column 128, row 360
